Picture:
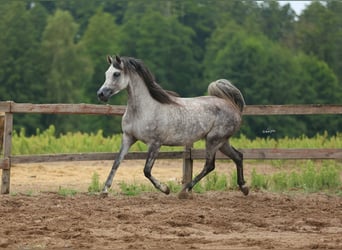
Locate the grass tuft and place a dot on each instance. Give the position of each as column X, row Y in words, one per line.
column 66, row 192
column 95, row 185
column 259, row 181
column 132, row 189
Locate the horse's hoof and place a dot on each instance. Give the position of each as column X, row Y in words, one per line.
column 165, row 189
column 104, row 194
column 185, row 195
column 244, row 190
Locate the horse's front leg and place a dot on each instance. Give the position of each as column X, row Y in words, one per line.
column 127, row 142
column 151, row 157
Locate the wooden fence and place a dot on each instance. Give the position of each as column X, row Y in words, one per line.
column 188, row 154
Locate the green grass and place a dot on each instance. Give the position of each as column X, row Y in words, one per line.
column 132, row 189
column 258, row 181
column 67, row 192
column 47, row 142
column 305, row 175
column 215, row 181
column 95, row 185
column 174, row 186
column 310, row 177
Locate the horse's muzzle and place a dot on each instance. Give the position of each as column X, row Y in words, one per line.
column 104, row 93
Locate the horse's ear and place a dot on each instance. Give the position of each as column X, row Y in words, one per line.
column 119, row 61
column 109, row 59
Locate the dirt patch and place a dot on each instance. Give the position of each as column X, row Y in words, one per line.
column 38, row 218
column 214, row 220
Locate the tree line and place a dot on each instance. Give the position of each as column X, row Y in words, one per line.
column 54, row 52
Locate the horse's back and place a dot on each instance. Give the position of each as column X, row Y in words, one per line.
column 211, row 106
column 223, row 114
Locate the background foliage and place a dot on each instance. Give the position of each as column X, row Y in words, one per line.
column 54, row 52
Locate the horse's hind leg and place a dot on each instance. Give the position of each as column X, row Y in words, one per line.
column 208, row 167
column 237, row 157
column 151, row 157
column 211, row 148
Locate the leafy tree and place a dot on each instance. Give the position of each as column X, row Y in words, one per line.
column 254, row 63
column 81, row 11
column 20, row 59
column 276, row 21
column 16, row 65
column 258, row 65
column 201, row 17
column 38, row 17
column 317, row 81
column 99, row 40
column 165, row 46
column 335, row 56
column 54, row 51
column 241, row 12
column 267, row 73
column 67, row 67
column 318, row 32
column 314, row 28
column 318, row 85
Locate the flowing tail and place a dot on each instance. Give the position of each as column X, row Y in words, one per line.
column 224, row 89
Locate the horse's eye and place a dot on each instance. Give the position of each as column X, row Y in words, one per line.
column 116, row 74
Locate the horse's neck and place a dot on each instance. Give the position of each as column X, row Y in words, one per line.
column 139, row 98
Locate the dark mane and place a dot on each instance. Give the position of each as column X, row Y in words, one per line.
column 157, row 92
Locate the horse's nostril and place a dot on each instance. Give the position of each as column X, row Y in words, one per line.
column 104, row 93
column 100, row 93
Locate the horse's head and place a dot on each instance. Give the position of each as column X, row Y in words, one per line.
column 115, row 79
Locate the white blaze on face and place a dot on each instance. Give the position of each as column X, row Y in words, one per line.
column 110, row 77
column 115, row 80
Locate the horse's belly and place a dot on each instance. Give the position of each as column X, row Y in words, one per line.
column 169, row 137
column 172, row 134
column 184, row 134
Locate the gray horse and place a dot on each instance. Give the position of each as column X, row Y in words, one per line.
column 159, row 117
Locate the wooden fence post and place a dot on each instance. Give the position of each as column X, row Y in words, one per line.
column 2, row 124
column 187, row 166
column 7, row 147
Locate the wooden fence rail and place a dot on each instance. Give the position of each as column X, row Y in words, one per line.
column 188, row 154
column 93, row 109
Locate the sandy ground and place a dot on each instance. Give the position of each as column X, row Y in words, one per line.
column 78, row 175
column 34, row 216
column 44, row 176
